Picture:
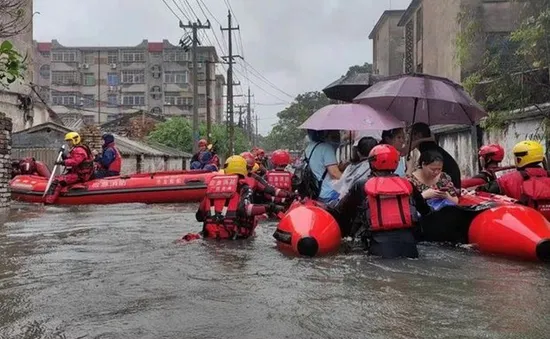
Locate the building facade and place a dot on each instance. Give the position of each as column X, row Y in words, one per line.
column 101, row 83
column 388, row 44
column 431, row 29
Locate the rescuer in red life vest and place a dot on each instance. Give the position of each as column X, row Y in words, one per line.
column 227, row 211
column 279, row 177
column 29, row 166
column 79, row 164
column 489, row 157
column 530, row 184
column 259, row 185
column 261, row 160
column 384, row 207
column 110, row 161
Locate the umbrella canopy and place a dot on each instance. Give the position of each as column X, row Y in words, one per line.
column 351, row 117
column 423, row 98
column 348, row 87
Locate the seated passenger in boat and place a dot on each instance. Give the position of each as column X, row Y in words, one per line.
column 396, row 138
column 109, row 162
column 15, row 169
column 358, row 168
column 262, row 161
column 79, row 165
column 196, row 159
column 29, row 166
column 227, row 211
column 489, row 157
column 382, row 209
column 259, row 185
column 279, row 177
column 434, row 184
column 214, row 163
column 421, row 136
column 530, row 184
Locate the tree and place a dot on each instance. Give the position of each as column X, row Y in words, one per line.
column 177, row 133
column 12, row 63
column 285, row 133
column 365, row 68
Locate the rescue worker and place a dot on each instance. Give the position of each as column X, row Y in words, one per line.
column 227, row 211
column 382, row 208
column 279, row 177
column 29, row 166
column 79, row 164
column 259, row 185
column 109, row 162
column 530, row 184
column 262, row 161
column 195, row 159
column 489, row 157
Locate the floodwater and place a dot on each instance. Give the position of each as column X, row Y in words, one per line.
column 116, row 272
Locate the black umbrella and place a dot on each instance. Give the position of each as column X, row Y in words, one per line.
column 349, row 86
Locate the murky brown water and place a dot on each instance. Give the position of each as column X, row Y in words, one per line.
column 115, row 272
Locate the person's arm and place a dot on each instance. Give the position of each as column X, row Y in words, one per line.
column 76, row 158
column 420, row 203
column 246, row 208
column 200, row 214
column 107, row 157
column 451, row 192
column 329, row 161
column 491, row 187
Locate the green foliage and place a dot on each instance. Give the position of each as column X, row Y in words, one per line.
column 365, row 68
column 177, row 133
column 12, row 65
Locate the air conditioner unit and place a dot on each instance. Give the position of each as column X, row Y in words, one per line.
column 79, row 66
column 113, row 66
column 85, row 66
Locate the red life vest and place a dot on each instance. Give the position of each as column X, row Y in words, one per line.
column 222, row 202
column 389, row 203
column 42, row 169
column 86, row 168
column 116, row 165
column 535, row 192
column 511, row 184
column 280, row 179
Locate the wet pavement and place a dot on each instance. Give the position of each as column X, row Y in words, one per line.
column 116, row 272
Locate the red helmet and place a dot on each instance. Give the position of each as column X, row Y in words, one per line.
column 280, row 158
column 250, row 161
column 260, row 153
column 492, row 152
column 203, row 142
column 384, row 158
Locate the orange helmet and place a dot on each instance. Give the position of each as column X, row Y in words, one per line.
column 203, row 142
column 384, row 158
column 250, row 161
column 492, row 152
column 280, row 158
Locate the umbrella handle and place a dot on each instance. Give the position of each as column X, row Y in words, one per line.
column 411, row 134
column 59, row 156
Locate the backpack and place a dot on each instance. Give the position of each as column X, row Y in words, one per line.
column 389, row 203
column 535, row 193
column 308, row 185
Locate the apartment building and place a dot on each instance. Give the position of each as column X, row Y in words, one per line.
column 431, row 28
column 100, row 83
column 388, row 44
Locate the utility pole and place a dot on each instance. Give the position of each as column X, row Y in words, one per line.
column 256, row 134
column 240, row 107
column 250, row 132
column 208, row 63
column 195, row 26
column 229, row 59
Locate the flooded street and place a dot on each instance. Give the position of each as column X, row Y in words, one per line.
column 116, row 272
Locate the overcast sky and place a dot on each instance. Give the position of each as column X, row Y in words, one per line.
column 297, row 45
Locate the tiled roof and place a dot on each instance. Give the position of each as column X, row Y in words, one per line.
column 132, row 147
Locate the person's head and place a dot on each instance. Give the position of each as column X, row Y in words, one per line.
column 235, row 165
column 250, row 159
column 202, row 145
column 394, row 137
column 384, row 158
column 260, row 154
column 528, row 153
column 430, row 163
column 364, row 147
column 73, row 139
column 490, row 155
column 108, row 139
column 27, row 165
column 329, row 136
column 420, row 130
column 280, row 158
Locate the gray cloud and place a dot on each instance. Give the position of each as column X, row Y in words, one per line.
column 299, row 45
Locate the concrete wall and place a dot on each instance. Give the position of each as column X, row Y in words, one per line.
column 5, row 159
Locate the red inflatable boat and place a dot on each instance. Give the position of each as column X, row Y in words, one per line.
column 150, row 188
column 493, row 224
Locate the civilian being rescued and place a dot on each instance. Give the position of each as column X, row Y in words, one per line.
column 109, row 162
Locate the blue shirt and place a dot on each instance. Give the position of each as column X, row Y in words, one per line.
column 323, row 156
column 401, row 168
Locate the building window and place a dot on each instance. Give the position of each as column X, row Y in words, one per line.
column 112, row 79
column 202, row 100
column 112, row 100
column 419, row 24
column 64, row 56
column 65, row 78
column 176, row 55
column 88, row 119
column 133, row 57
column 45, row 71
column 45, row 54
column 133, row 99
column 133, row 77
column 175, row 98
column 64, row 99
column 156, row 110
column 88, row 100
column 180, row 77
column 156, row 92
column 88, row 79
column 156, row 71
column 112, row 57
column 88, row 57
column 409, row 47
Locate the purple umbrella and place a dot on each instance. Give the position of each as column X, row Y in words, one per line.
column 351, row 117
column 423, row 98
